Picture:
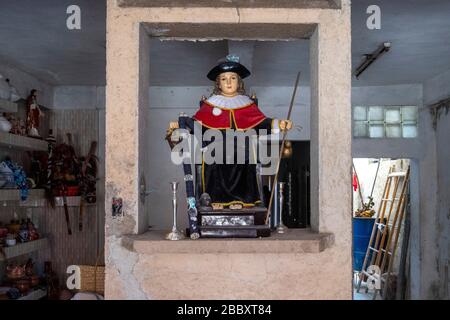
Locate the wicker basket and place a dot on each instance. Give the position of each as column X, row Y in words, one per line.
column 93, row 278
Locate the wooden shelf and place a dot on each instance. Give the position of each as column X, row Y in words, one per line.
column 21, row 249
column 36, row 198
column 14, row 194
column 71, row 202
column 42, row 202
column 16, row 141
column 8, row 106
column 34, row 295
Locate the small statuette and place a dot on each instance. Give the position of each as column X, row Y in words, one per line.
column 205, row 202
column 217, row 112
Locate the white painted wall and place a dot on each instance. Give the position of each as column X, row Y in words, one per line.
column 25, row 82
column 79, row 97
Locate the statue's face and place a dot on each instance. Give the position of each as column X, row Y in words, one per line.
column 229, row 83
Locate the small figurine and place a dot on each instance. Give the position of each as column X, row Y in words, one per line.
column 23, row 232
column 34, row 113
column 205, row 202
column 32, row 232
column 29, row 267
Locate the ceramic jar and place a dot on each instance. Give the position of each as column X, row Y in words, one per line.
column 15, row 272
column 10, row 240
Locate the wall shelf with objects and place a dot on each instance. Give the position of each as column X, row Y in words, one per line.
column 21, row 249
column 22, row 142
column 8, row 106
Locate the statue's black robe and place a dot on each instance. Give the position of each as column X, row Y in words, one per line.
column 232, row 183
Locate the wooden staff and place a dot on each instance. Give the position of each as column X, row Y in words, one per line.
column 66, row 209
column 85, row 182
column 281, row 149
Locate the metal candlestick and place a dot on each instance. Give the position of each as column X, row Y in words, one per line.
column 281, row 228
column 175, row 234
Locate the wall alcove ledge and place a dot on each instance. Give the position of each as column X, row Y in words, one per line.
column 293, row 241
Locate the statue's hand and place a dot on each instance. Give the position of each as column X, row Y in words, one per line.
column 173, row 125
column 285, row 125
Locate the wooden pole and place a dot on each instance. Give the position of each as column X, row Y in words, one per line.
column 275, row 180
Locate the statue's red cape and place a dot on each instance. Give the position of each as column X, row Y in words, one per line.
column 242, row 118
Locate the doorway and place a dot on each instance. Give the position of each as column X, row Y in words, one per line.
column 381, row 228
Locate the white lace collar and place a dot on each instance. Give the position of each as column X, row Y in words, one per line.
column 229, row 102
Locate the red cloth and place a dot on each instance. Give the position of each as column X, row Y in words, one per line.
column 355, row 182
column 245, row 117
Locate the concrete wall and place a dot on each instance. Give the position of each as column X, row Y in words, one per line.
column 437, row 242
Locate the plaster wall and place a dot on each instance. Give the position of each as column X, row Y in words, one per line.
column 436, row 236
column 331, row 103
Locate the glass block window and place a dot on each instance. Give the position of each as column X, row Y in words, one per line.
column 385, row 121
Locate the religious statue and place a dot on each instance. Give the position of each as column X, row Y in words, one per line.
column 231, row 185
column 34, row 113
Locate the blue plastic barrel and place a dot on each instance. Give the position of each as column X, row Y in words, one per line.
column 362, row 230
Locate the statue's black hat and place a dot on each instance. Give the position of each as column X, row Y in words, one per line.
column 230, row 64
